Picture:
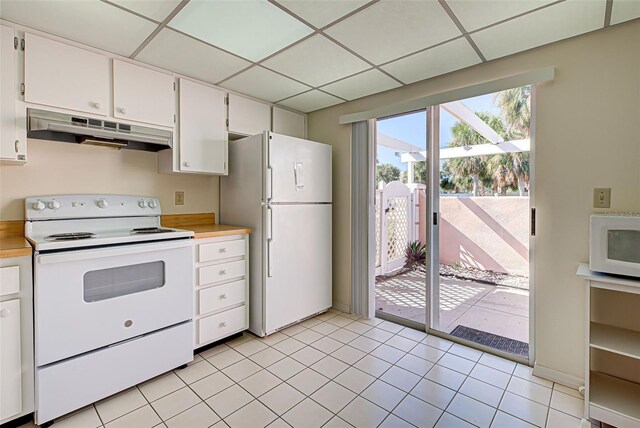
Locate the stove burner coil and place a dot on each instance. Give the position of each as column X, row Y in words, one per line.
column 70, row 236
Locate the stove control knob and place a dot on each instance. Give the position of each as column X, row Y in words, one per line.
column 102, row 203
column 39, row 206
column 152, row 204
column 142, row 204
column 54, row 205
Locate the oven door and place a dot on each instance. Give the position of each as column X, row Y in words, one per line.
column 88, row 299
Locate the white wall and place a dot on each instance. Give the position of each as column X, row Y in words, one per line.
column 62, row 168
column 587, row 136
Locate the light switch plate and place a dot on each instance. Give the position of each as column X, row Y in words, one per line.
column 602, row 198
column 179, row 198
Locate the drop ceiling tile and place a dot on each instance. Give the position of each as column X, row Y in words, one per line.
column 478, row 14
column 316, row 61
column 310, row 101
column 442, row 59
column 557, row 22
column 91, row 22
column 264, row 84
column 624, row 10
column 182, row 54
column 253, row 29
column 390, row 29
column 361, row 85
column 321, row 12
column 154, row 9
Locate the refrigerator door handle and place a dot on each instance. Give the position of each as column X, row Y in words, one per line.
column 269, row 240
column 298, row 171
column 269, row 187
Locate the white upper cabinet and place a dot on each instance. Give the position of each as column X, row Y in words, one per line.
column 64, row 76
column 13, row 130
column 289, row 123
column 248, row 117
column 202, row 132
column 143, row 95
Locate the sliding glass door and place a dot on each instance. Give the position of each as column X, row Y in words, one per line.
column 481, row 178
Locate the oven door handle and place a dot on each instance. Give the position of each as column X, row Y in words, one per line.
column 98, row 253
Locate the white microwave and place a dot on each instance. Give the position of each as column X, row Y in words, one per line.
column 615, row 244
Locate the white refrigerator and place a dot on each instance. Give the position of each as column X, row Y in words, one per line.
column 281, row 187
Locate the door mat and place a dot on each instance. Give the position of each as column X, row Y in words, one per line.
column 491, row 340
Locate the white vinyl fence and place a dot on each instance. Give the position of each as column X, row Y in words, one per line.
column 396, row 215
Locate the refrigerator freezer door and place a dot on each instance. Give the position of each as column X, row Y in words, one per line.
column 297, row 263
column 297, row 170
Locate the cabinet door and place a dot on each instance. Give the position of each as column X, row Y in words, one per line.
column 289, row 123
column 203, row 136
column 64, row 76
column 248, row 117
column 142, row 94
column 13, row 130
column 10, row 362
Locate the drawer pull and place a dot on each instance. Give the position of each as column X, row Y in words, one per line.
column 222, row 250
column 223, row 324
column 5, row 313
column 223, row 272
column 223, row 296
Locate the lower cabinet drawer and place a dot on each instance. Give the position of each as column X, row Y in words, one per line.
column 221, row 250
column 215, row 273
column 9, row 280
column 220, row 325
column 221, row 296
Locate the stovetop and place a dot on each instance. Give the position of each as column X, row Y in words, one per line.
column 80, row 221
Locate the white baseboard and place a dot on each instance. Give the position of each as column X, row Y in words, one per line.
column 342, row 308
column 557, row 376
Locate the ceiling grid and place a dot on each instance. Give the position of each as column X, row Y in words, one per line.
column 308, row 55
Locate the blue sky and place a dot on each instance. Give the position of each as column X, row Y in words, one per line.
column 412, row 128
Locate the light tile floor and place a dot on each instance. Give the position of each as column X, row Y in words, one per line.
column 492, row 308
column 336, row 370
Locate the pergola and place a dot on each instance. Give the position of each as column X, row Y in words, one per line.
column 410, row 153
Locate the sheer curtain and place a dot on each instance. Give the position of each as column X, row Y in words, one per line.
column 363, row 154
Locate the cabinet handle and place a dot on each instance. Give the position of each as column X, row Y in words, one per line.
column 17, row 146
column 5, row 313
column 223, row 272
column 186, row 164
column 96, row 105
column 223, row 296
column 222, row 250
column 223, row 324
column 122, row 110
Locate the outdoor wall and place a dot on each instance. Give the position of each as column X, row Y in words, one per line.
column 489, row 233
column 586, row 137
column 55, row 168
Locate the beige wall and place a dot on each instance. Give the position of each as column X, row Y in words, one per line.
column 61, row 168
column 587, row 136
column 485, row 232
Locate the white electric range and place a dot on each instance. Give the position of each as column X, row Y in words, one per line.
column 113, row 297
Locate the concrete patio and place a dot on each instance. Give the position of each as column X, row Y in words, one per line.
column 491, row 308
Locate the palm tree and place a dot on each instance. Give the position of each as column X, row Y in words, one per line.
column 472, row 166
column 515, row 105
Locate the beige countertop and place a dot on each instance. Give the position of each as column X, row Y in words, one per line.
column 202, row 225
column 12, row 242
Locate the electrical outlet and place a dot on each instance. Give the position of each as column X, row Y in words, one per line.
column 179, row 198
column 602, row 198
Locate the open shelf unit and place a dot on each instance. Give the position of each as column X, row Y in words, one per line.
column 615, row 339
column 612, row 350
